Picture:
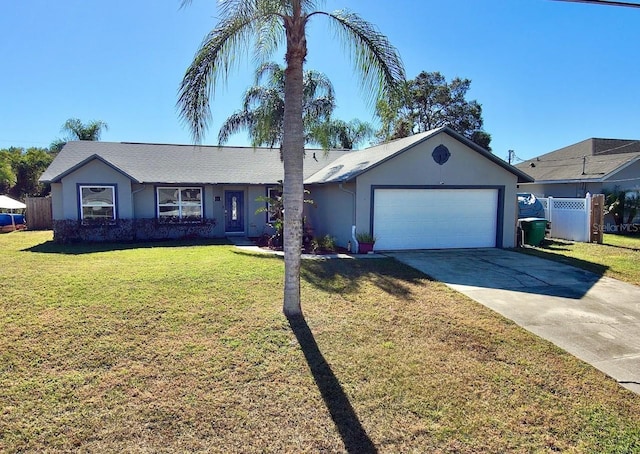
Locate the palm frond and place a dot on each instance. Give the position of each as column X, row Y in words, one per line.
column 255, row 96
column 212, row 62
column 269, row 36
column 235, row 123
column 373, row 55
column 318, row 109
column 316, row 83
column 339, row 134
column 267, row 70
column 76, row 130
column 222, row 48
column 245, row 9
column 265, row 102
column 309, row 6
column 267, row 130
column 604, row 2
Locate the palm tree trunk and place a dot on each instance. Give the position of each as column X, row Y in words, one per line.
column 293, row 155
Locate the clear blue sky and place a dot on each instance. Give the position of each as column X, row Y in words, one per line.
column 548, row 74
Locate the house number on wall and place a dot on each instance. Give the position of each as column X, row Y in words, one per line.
column 441, row 154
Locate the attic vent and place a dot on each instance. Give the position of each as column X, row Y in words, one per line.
column 441, row 154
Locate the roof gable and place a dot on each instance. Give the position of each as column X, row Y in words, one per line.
column 93, row 157
column 354, row 164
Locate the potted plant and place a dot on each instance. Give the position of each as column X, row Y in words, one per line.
column 365, row 242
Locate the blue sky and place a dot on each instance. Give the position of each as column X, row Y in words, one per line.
column 547, row 73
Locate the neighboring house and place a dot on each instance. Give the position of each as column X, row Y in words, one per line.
column 432, row 190
column 593, row 165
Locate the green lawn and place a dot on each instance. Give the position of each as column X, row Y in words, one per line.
column 617, row 257
column 177, row 347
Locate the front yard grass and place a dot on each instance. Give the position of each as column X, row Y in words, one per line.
column 618, row 256
column 178, row 347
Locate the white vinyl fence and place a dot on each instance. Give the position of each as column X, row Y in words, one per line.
column 569, row 217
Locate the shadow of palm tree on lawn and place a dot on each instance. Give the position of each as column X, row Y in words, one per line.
column 51, row 247
column 347, row 276
column 353, row 435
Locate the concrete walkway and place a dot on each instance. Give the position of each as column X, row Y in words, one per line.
column 595, row 318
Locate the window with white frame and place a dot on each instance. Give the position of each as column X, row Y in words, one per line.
column 97, row 203
column 276, row 195
column 179, row 204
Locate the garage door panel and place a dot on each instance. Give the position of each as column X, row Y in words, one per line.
column 435, row 218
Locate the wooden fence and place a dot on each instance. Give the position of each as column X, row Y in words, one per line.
column 39, row 213
column 597, row 219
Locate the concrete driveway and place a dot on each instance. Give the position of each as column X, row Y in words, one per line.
column 594, row 318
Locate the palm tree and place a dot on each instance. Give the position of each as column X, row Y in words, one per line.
column 266, row 24
column 341, row 134
column 262, row 113
column 77, row 130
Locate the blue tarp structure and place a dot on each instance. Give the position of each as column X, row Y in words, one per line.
column 10, row 221
column 529, row 207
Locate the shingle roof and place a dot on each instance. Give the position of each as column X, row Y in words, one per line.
column 160, row 163
column 190, row 164
column 590, row 160
column 353, row 164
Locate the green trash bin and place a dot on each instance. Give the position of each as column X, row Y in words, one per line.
column 534, row 230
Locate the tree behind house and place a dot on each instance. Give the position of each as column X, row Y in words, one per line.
column 20, row 169
column 428, row 102
column 77, row 130
column 262, row 113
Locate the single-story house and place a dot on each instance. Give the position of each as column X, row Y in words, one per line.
column 431, row 190
column 593, row 166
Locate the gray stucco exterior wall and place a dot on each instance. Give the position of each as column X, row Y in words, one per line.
column 400, row 164
column 627, row 179
column 136, row 201
column 416, row 167
column 94, row 173
column 333, row 213
column 561, row 189
column 57, row 204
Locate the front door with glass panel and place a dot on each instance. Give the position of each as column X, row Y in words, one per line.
column 234, row 210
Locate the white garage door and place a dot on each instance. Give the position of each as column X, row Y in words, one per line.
column 435, row 218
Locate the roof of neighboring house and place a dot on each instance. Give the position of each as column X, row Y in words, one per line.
column 351, row 165
column 190, row 164
column 590, row 160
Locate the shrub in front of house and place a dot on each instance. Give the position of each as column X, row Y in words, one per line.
column 72, row 231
